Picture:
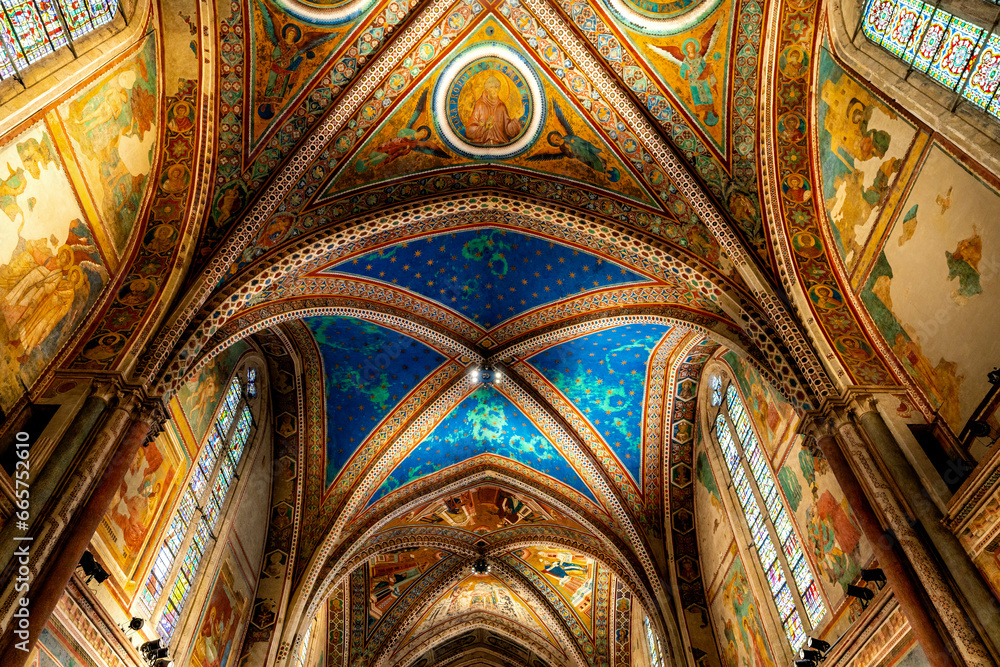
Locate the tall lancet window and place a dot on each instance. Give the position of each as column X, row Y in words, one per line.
column 791, row 581
column 201, row 505
column 956, row 53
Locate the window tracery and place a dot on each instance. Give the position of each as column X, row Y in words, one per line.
column 958, row 54
column 32, row 29
column 789, row 576
column 206, row 493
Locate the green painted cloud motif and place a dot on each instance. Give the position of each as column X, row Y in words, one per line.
column 604, row 375
column 485, row 422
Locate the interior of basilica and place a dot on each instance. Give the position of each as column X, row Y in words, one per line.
column 499, row 333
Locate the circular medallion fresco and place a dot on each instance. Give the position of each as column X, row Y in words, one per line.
column 325, row 12
column 488, row 103
column 656, row 17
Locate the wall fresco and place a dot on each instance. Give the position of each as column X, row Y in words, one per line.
column 573, row 575
column 113, row 126
column 738, row 623
column 200, row 397
column 222, row 618
column 772, row 414
column 935, row 275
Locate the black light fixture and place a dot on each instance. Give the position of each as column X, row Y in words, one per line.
column 818, row 644
column 994, row 376
column 861, row 593
column 979, row 429
column 136, row 623
column 481, row 566
column 810, row 654
column 148, row 647
column 92, row 569
column 874, row 575
column 163, row 663
column 486, row 375
column 805, row 663
column 159, row 654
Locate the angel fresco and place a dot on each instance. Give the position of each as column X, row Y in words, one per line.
column 575, row 148
column 695, row 68
column 292, row 46
column 408, row 140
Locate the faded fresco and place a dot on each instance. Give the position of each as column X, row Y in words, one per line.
column 139, row 505
column 935, row 276
column 225, row 611
column 200, row 396
column 737, row 617
column 484, row 510
column 572, row 575
column 715, row 533
column 112, row 127
column 772, row 414
column 862, row 146
column 830, row 533
column 51, row 267
column 479, row 593
column 392, row 573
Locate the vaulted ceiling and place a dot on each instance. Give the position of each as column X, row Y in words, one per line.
column 563, row 193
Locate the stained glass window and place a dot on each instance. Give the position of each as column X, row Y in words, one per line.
column 960, row 55
column 655, row 648
column 200, row 507
column 303, row 653
column 31, row 29
column 788, row 574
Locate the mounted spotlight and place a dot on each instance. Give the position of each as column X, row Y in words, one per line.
column 147, row 648
column 92, row 569
column 861, row 593
column 979, row 429
column 159, row 654
column 805, row 663
column 481, row 566
column 874, row 575
column 994, row 376
column 136, row 623
column 163, row 663
column 818, row 644
column 810, row 654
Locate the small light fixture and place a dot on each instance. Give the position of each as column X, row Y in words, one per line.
column 818, row 644
column 810, row 654
column 163, row 663
column 874, row 575
column 481, row 566
column 92, row 569
column 994, row 376
column 147, row 648
column 805, row 663
column 861, row 593
column 979, row 429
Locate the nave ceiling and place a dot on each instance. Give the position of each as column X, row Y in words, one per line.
column 615, row 226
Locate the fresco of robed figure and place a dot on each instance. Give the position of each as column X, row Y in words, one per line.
column 491, row 107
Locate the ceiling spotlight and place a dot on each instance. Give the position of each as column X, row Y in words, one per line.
column 481, row 566
column 818, row 644
column 874, row 575
column 861, row 593
column 805, row 663
column 92, row 569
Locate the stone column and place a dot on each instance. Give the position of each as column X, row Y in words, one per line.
column 46, row 590
column 43, row 483
column 964, row 573
column 886, row 550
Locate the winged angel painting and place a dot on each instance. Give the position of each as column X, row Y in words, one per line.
column 696, row 68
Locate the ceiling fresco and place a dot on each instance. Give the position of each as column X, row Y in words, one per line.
column 488, row 276
column 368, row 370
column 604, row 376
column 486, row 421
column 485, row 510
column 573, row 576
